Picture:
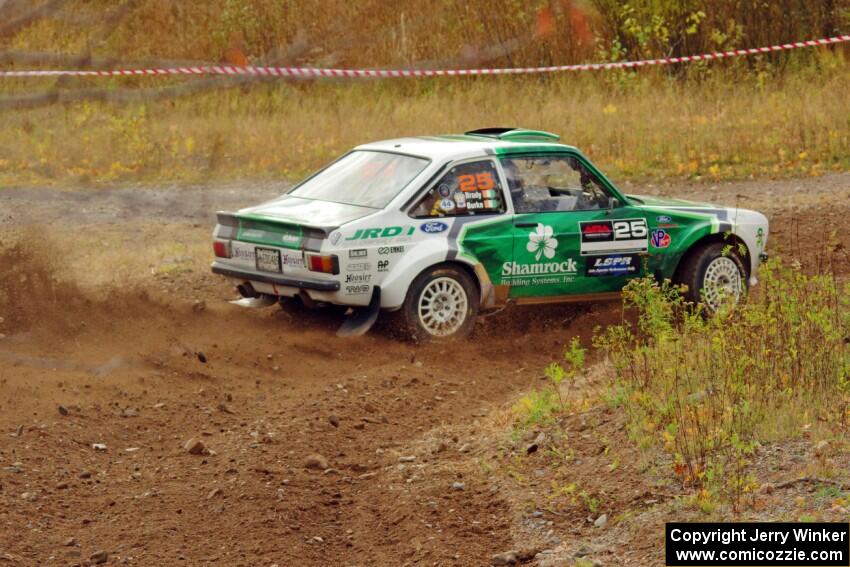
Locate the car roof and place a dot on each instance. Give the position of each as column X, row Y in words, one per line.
column 486, row 141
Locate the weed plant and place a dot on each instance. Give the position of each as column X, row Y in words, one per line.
column 712, row 390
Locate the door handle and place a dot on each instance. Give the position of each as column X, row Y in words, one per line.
column 525, row 224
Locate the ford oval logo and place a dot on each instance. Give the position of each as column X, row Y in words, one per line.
column 434, row 227
column 663, row 218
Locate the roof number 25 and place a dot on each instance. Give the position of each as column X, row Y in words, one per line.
column 630, row 229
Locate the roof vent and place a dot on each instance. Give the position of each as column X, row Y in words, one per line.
column 515, row 134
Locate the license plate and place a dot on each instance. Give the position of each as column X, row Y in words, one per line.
column 268, row 260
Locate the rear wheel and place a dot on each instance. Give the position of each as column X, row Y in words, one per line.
column 442, row 302
column 292, row 305
column 715, row 276
column 295, row 307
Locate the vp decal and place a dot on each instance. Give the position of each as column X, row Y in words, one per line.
column 660, row 238
column 612, row 236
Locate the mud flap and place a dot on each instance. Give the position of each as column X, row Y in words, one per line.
column 255, row 302
column 361, row 319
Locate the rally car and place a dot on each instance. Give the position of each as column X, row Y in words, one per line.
column 439, row 228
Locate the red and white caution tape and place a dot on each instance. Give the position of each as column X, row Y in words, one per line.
column 391, row 73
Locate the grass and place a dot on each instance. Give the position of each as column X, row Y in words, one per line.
column 712, row 391
column 373, row 32
column 536, row 408
column 634, row 125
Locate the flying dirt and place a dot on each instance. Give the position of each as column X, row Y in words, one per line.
column 147, row 421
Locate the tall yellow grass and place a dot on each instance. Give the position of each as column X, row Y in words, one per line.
column 633, row 125
column 377, row 32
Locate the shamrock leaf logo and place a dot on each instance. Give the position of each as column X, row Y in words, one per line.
column 541, row 242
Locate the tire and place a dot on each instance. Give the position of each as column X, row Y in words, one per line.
column 715, row 276
column 451, row 298
column 294, row 307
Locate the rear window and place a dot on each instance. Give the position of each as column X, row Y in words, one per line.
column 362, row 178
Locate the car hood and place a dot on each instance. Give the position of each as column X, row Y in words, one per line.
column 668, row 202
column 310, row 212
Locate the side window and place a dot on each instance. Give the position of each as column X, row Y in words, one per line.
column 552, row 183
column 466, row 189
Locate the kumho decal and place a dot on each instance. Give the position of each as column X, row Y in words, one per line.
column 385, row 232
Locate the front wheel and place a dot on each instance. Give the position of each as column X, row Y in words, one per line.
column 442, row 302
column 715, row 276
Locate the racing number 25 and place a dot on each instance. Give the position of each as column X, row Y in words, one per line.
column 479, row 182
column 629, row 229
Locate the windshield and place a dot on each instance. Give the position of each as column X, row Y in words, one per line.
column 362, row 178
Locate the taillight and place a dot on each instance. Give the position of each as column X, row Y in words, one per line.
column 326, row 264
column 221, row 249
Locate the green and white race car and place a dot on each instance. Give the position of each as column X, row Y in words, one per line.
column 439, row 228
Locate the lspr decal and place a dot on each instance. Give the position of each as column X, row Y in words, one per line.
column 617, row 265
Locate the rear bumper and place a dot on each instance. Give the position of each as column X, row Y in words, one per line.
column 318, row 285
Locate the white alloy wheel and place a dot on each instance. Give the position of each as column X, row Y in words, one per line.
column 722, row 284
column 443, row 306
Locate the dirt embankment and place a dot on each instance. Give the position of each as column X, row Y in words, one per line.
column 141, row 377
column 118, row 348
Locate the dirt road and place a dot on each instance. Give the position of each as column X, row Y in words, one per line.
column 118, row 348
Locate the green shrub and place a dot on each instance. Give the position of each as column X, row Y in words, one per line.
column 710, row 390
column 536, row 408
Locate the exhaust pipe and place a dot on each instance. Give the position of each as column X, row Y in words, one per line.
column 250, row 297
column 247, row 290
